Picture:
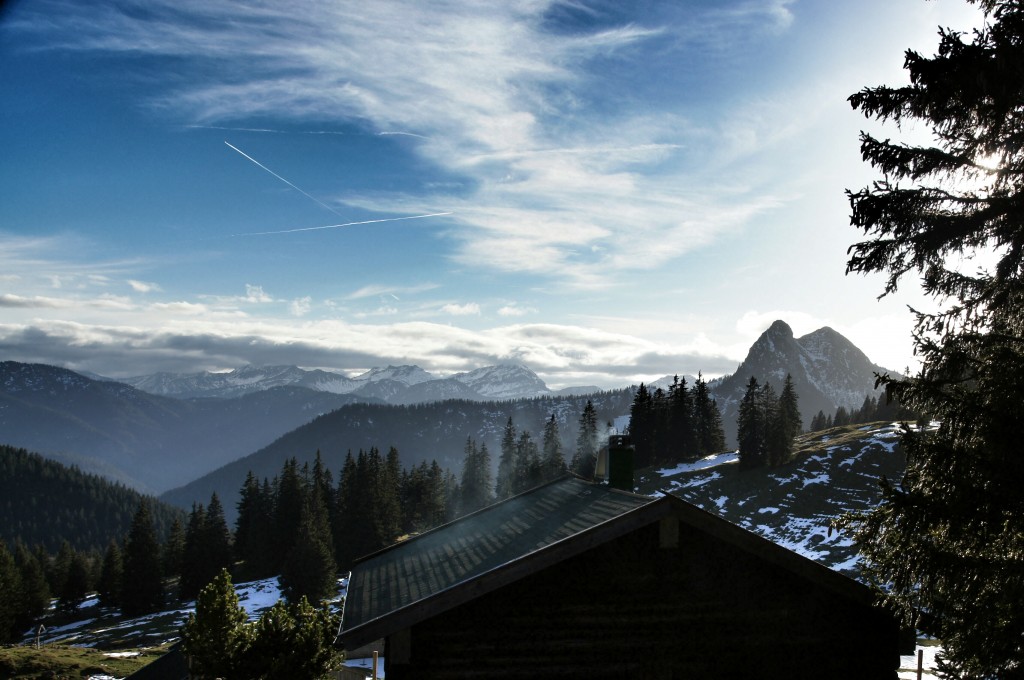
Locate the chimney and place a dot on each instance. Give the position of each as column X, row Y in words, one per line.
column 620, row 462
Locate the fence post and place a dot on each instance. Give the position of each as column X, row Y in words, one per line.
column 920, row 664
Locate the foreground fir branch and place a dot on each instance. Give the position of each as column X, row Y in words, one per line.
column 946, row 546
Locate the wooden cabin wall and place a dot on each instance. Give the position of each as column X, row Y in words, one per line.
column 632, row 609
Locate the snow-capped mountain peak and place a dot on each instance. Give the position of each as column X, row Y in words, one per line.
column 505, row 381
column 407, row 375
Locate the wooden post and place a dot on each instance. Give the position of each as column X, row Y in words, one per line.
column 375, row 664
column 920, row 663
column 39, row 632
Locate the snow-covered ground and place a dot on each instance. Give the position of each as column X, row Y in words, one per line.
column 908, row 663
column 711, row 461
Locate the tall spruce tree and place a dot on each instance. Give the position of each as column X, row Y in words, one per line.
column 347, row 520
column 476, row 489
column 707, row 419
column 247, row 520
column 680, row 430
column 216, row 540
column 553, row 459
column 750, row 426
column 527, row 463
column 193, row 574
column 585, row 458
column 289, row 498
column 142, row 589
column 173, row 548
column 789, row 409
column 505, row 482
column 309, row 570
column 111, row 576
column 387, row 510
column 642, row 427
column 947, row 540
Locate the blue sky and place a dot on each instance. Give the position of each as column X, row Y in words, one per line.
column 607, row 192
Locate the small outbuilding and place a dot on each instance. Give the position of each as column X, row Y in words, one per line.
column 576, row 579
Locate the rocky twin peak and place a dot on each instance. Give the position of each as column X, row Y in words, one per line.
column 828, row 371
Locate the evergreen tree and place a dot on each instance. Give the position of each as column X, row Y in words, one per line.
column 841, row 417
column 142, row 590
column 585, row 458
column 452, row 492
column 34, row 593
column 292, row 642
column 777, row 444
column 476, row 478
column 214, row 638
column 111, row 576
column 254, row 530
column 707, row 419
column 553, row 459
column 505, row 483
column 947, row 540
column 681, row 428
column 248, row 518
column 789, row 409
column 10, row 589
column 57, row 574
column 346, row 522
column 216, row 540
column 436, row 501
column 750, row 427
column 174, row 548
column 423, row 497
column 289, row 498
column 641, row 427
column 309, row 570
column 387, row 511
column 193, row 573
column 323, row 483
column 76, row 584
column 527, row 464
column 285, row 643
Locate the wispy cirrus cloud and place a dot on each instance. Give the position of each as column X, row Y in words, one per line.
column 490, row 91
column 390, row 291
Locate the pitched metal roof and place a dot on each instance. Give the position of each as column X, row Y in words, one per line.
column 416, row 579
column 418, row 569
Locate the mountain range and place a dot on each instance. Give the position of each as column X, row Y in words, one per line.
column 145, row 441
column 391, row 384
column 170, row 432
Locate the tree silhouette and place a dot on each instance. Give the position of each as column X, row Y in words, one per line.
column 947, row 540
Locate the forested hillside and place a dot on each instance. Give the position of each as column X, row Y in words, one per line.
column 420, row 433
column 43, row 502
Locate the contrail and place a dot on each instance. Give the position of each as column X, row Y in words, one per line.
column 336, row 226
column 312, row 198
